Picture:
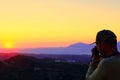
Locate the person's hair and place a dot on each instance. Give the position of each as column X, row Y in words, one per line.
column 107, row 36
column 112, row 43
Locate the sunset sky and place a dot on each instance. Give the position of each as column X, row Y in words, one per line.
column 55, row 23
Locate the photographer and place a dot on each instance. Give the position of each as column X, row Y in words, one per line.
column 105, row 63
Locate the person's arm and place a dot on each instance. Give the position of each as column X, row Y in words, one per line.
column 95, row 67
column 97, row 72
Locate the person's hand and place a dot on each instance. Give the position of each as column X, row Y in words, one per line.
column 95, row 52
column 95, row 55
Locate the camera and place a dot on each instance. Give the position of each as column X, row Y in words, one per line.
column 95, row 52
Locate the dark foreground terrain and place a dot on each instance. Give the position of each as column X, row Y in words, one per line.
column 22, row 67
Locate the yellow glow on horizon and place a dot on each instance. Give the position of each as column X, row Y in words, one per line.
column 8, row 45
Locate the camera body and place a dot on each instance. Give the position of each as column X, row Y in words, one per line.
column 95, row 52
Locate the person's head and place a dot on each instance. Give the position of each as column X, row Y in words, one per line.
column 106, row 42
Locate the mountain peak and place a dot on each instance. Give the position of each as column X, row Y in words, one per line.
column 80, row 44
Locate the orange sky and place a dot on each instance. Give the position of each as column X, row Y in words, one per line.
column 54, row 23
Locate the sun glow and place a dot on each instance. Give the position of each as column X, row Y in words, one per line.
column 8, row 45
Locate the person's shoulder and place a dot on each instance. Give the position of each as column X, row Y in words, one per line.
column 105, row 62
column 110, row 60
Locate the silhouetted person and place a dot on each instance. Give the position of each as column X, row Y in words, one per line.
column 105, row 63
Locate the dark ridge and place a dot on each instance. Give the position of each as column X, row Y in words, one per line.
column 22, row 61
column 22, row 67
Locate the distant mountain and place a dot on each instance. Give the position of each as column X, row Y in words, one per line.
column 81, row 46
column 63, row 51
column 87, row 46
column 74, row 49
column 118, row 43
column 118, row 46
column 76, row 45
